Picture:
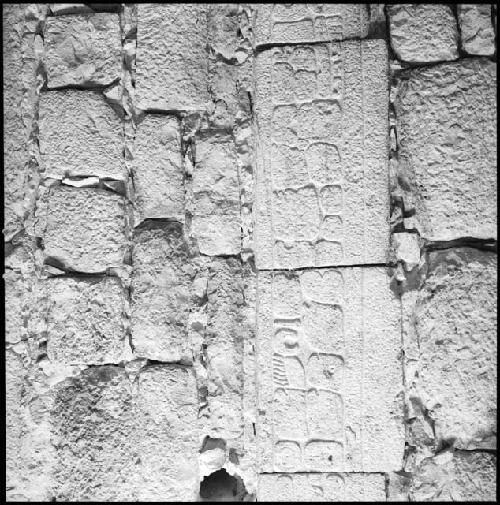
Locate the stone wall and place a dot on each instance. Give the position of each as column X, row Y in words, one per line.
column 250, row 252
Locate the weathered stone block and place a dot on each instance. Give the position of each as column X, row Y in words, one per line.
column 292, row 23
column 476, row 29
column 157, row 168
column 423, row 33
column 322, row 177
column 446, row 123
column 450, row 339
column 328, row 372
column 86, row 321
column 84, row 229
column 82, row 50
column 161, row 292
column 328, row 487
column 216, row 221
column 80, row 136
column 172, row 59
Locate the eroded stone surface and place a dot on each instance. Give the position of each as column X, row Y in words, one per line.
column 83, row 229
column 161, row 292
column 322, row 177
column 446, row 123
column 216, row 224
column 450, row 338
column 423, row 33
column 292, row 23
column 83, row 50
column 172, row 63
column 328, row 487
column 157, row 168
column 476, row 29
column 329, row 379
column 86, row 321
column 80, row 136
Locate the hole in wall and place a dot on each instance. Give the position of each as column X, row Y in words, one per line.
column 220, row 486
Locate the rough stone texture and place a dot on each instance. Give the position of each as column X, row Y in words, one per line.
column 322, row 178
column 157, row 168
column 293, row 23
column 83, row 229
column 328, row 373
column 450, row 338
column 172, row 64
column 82, row 50
column 80, row 136
column 216, row 224
column 423, row 33
column 476, row 29
column 321, row 487
column 446, row 123
column 161, row 292
column 86, row 321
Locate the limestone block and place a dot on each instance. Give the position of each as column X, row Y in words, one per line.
column 216, row 224
column 161, row 292
column 423, row 33
column 450, row 339
column 446, row 123
column 322, row 176
column 407, row 248
column 328, row 372
column 292, row 23
column 157, row 168
column 16, row 297
column 476, row 29
column 86, row 321
column 80, row 136
column 84, row 229
column 459, row 476
column 82, row 50
column 321, row 487
column 172, row 59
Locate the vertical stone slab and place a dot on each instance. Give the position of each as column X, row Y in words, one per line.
column 172, row 60
column 322, row 194
column 477, row 35
column 293, row 23
column 328, row 372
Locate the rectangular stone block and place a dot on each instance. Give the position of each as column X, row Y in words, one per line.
column 157, row 168
column 328, row 372
column 447, row 125
column 161, row 292
column 80, row 136
column 321, row 487
column 321, row 163
column 172, row 58
column 292, row 23
column 82, row 50
column 86, row 321
column 477, row 35
column 84, row 229
column 216, row 223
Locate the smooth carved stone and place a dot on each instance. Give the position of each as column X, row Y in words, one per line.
column 423, row 33
column 328, row 372
column 450, row 339
column 172, row 58
column 157, row 168
column 161, row 292
column 83, row 50
column 292, row 23
column 476, row 29
column 86, row 321
column 446, row 123
column 84, row 229
column 216, row 221
column 321, row 160
column 80, row 136
column 322, row 487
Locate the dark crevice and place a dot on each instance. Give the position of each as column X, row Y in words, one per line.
column 300, row 269
column 220, row 486
column 69, row 272
column 82, row 87
column 210, row 443
column 475, row 243
column 176, row 363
